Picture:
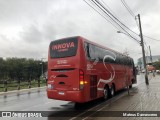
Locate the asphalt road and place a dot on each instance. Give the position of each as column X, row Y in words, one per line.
column 36, row 100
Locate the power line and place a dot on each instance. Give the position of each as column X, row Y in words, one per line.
column 101, row 14
column 108, row 14
column 151, row 38
column 127, row 7
column 115, row 14
column 130, row 11
column 109, row 21
column 113, row 20
column 112, row 17
column 108, row 7
column 115, row 17
column 129, row 36
column 111, row 11
column 132, row 14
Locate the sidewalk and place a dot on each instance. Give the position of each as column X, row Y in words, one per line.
column 141, row 98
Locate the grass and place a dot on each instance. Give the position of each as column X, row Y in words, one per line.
column 13, row 85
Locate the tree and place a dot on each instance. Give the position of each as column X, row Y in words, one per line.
column 21, row 69
column 157, row 65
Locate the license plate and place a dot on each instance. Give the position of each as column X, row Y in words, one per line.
column 61, row 93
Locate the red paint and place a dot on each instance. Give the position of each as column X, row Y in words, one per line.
column 72, row 81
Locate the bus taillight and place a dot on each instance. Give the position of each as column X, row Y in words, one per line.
column 81, row 79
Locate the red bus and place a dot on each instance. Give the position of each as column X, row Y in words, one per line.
column 80, row 70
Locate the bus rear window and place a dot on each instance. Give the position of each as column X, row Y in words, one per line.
column 63, row 48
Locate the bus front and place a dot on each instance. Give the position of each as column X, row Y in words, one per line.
column 64, row 70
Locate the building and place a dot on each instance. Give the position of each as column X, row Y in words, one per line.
column 148, row 61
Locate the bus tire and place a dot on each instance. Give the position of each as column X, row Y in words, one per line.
column 130, row 86
column 77, row 105
column 112, row 91
column 106, row 93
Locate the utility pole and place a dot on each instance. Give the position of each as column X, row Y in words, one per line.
column 42, row 65
column 143, row 52
column 151, row 60
column 150, row 54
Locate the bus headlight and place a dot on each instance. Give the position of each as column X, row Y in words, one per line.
column 50, row 86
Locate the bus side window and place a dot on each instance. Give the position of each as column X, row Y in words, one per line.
column 86, row 47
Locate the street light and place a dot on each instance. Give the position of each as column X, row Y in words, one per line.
column 123, row 33
column 128, row 35
column 119, row 32
column 42, row 68
column 42, row 65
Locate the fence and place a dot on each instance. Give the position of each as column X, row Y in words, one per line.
column 8, row 85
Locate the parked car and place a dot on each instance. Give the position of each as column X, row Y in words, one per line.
column 143, row 71
column 158, row 71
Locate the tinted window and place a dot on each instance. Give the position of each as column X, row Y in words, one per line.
column 96, row 53
column 64, row 48
column 86, row 47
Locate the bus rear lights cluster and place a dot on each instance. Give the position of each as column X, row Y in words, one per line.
column 81, row 79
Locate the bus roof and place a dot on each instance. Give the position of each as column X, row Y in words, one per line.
column 102, row 46
column 94, row 44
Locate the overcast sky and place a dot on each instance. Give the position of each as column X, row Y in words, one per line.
column 28, row 26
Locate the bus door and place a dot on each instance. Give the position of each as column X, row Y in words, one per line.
column 92, row 72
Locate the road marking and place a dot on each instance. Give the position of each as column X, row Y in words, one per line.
column 108, row 102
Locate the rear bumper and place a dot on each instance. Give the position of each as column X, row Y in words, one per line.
column 74, row 96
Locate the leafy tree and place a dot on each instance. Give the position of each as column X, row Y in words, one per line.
column 21, row 69
column 157, row 65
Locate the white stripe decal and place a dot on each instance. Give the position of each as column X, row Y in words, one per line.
column 101, row 89
column 112, row 74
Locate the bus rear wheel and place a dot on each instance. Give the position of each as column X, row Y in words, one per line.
column 106, row 93
column 130, row 86
column 77, row 105
column 112, row 91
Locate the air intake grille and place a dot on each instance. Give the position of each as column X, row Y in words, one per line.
column 93, row 86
